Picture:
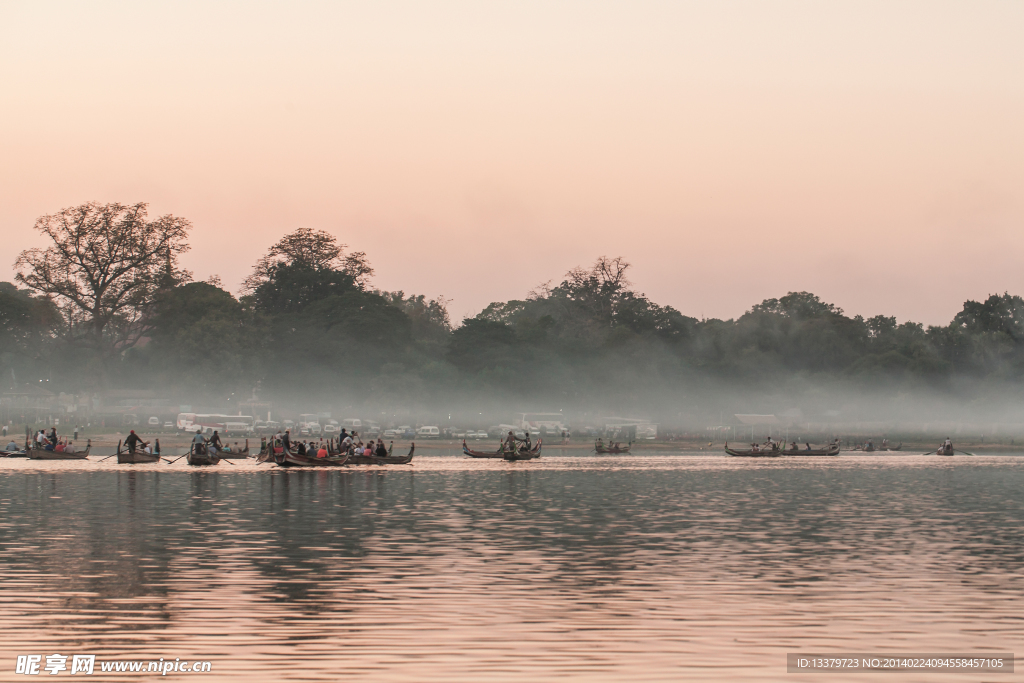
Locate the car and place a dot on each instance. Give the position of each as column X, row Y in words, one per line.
column 331, row 428
column 480, row 434
column 428, row 432
column 459, row 435
column 392, row 433
column 153, row 421
column 168, row 425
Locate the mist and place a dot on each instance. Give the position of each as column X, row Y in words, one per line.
column 309, row 334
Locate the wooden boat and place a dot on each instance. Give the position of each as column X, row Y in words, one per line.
column 944, row 451
column 289, row 459
column 133, row 458
column 42, row 454
column 611, row 450
column 523, row 455
column 199, row 455
column 830, row 451
column 14, row 454
column 500, row 453
column 383, row 460
column 225, row 454
column 750, row 453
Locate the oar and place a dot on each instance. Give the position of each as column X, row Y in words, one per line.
column 964, row 452
column 171, row 462
column 117, row 452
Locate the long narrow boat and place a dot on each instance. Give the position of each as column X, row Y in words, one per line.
column 289, row 459
column 43, row 454
column 524, row 455
column 611, row 450
column 750, row 453
column 831, row 450
column 135, row 457
column 382, row 460
column 944, row 451
column 199, row 456
column 229, row 453
column 498, row 454
column 14, row 454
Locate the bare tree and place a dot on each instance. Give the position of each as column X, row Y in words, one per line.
column 316, row 250
column 103, row 268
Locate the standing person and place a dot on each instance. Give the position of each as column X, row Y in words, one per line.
column 156, row 447
column 346, row 443
column 215, row 442
column 5, row 432
column 132, row 441
column 198, row 442
column 286, row 440
column 53, row 437
column 76, row 432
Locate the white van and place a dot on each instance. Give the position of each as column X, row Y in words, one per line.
column 428, row 433
column 352, row 424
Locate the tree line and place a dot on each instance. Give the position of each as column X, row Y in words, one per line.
column 106, row 304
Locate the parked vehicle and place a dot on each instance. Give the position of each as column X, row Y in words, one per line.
column 428, row 433
column 153, row 421
column 392, row 434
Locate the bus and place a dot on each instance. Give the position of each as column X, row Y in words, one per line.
column 208, row 422
column 551, row 423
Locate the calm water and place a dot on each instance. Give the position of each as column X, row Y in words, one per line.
column 595, row 568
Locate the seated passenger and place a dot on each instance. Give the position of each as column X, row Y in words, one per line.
column 11, row 447
column 70, row 448
column 382, row 450
column 59, row 448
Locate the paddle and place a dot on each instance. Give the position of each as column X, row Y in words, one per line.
column 171, row 462
column 964, row 452
column 117, row 452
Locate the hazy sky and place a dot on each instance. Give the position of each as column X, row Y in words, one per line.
column 870, row 152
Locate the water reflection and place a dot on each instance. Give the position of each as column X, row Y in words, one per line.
column 597, row 568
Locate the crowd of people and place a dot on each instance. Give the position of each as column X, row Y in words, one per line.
column 350, row 443
column 52, row 442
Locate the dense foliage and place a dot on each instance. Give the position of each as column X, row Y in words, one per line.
column 308, row 326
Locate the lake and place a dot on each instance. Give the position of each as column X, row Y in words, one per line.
column 642, row 568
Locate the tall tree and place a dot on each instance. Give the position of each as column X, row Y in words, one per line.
column 306, row 249
column 103, row 268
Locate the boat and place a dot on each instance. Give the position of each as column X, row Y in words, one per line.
column 830, row 450
column 751, row 453
column 136, row 457
column 383, row 460
column 943, row 451
column 611, row 450
column 500, row 453
column 228, row 453
column 14, row 454
column 523, row 455
column 199, row 455
column 35, row 453
column 289, row 459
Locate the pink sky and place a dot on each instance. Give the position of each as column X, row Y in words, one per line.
column 870, row 152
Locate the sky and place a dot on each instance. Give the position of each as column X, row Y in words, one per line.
column 869, row 152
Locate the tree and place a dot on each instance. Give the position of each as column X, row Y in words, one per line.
column 310, row 250
column 103, row 268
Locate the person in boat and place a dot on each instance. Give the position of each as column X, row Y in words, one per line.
column 59, row 448
column 215, row 442
column 510, row 441
column 793, row 446
column 346, row 443
column 947, row 445
column 132, row 441
column 286, row 440
column 600, row 443
column 70, row 448
column 755, row 448
column 382, row 450
column 12, row 447
column 885, row 444
column 156, row 446
column 53, row 437
column 198, row 442
column 300, row 448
